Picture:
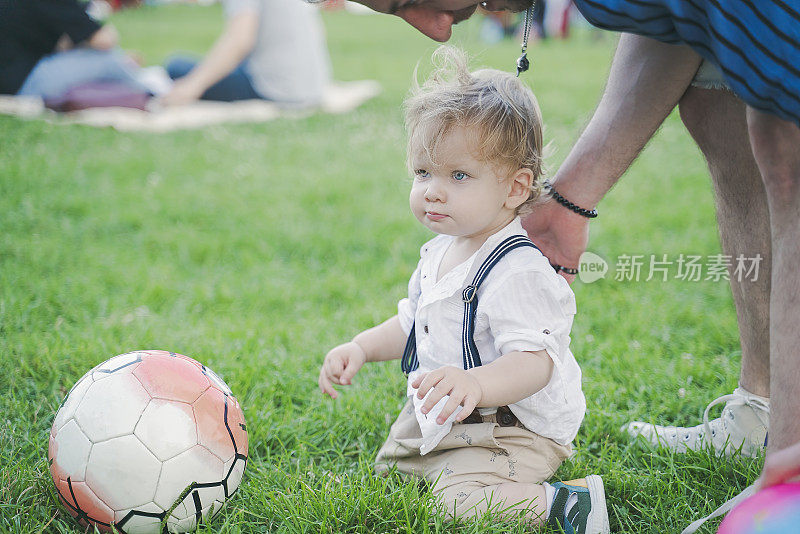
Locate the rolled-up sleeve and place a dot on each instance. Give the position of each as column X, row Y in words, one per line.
column 530, row 311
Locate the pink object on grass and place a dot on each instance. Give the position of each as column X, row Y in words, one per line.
column 772, row 510
column 99, row 95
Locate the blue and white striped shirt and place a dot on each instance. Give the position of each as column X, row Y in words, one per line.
column 756, row 44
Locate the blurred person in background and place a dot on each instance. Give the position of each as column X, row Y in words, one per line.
column 48, row 47
column 557, row 18
column 269, row 49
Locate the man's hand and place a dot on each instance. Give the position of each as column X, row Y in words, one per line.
column 781, row 466
column 559, row 233
column 340, row 366
column 463, row 388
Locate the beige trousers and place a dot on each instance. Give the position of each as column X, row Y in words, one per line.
column 470, row 458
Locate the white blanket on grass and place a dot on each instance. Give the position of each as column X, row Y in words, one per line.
column 341, row 97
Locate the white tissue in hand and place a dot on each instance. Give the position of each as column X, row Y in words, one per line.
column 433, row 432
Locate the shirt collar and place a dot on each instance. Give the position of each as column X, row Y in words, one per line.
column 461, row 275
column 512, row 228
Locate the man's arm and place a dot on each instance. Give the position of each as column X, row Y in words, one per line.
column 646, row 81
column 236, row 41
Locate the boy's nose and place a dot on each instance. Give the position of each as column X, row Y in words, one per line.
column 434, row 192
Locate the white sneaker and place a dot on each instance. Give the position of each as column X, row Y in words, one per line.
column 743, row 425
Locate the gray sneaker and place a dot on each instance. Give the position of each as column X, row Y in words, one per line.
column 743, row 425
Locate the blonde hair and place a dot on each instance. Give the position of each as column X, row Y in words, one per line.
column 497, row 104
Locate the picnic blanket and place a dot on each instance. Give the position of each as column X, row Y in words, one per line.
column 340, row 97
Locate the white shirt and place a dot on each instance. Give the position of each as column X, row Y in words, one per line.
column 289, row 62
column 523, row 305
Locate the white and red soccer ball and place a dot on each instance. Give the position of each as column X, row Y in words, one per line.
column 140, row 431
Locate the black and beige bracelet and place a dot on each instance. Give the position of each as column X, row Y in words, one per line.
column 589, row 214
column 567, row 270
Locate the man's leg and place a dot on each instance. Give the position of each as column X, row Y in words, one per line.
column 717, row 121
column 776, row 147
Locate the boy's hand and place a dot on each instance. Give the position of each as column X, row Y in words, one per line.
column 339, row 367
column 463, row 388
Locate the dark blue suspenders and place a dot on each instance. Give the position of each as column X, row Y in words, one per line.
column 471, row 358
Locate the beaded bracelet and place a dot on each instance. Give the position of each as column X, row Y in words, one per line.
column 589, row 214
column 567, row 270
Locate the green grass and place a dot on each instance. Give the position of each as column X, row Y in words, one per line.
column 256, row 248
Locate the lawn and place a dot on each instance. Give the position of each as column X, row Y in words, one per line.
column 256, row 248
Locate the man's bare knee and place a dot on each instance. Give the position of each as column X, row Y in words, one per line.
column 775, row 145
column 782, row 181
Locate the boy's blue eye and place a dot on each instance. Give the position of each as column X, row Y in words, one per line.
column 421, row 173
column 460, row 176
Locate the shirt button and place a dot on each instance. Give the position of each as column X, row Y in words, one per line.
column 545, row 331
column 425, row 329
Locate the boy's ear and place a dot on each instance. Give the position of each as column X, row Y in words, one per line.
column 520, row 190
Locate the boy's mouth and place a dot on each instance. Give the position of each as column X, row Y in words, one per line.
column 432, row 215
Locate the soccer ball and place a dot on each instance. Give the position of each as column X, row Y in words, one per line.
column 146, row 437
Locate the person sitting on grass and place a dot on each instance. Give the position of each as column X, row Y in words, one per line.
column 50, row 47
column 270, row 49
column 494, row 393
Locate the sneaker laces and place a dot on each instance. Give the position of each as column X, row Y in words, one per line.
column 739, row 397
column 724, row 509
